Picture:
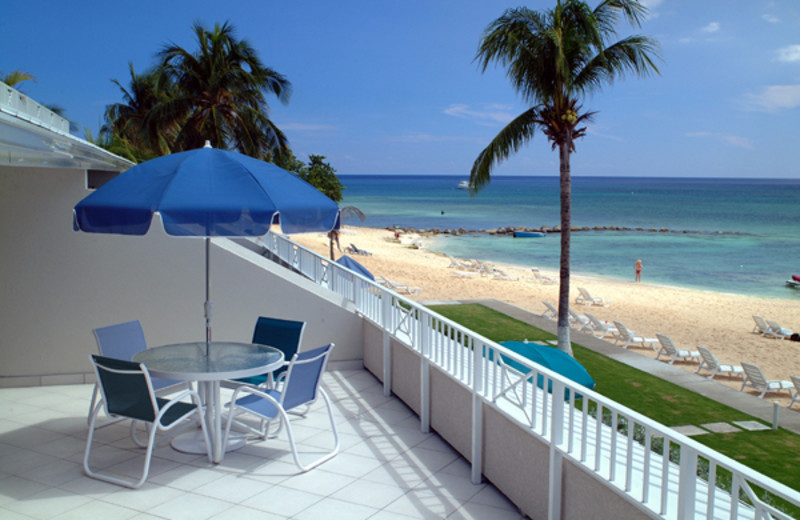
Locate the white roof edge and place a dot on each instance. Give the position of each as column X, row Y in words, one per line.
column 33, row 135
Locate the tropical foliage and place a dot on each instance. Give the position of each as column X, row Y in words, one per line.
column 15, row 77
column 553, row 59
column 216, row 93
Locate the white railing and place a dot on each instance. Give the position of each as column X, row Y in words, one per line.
column 664, row 471
column 19, row 105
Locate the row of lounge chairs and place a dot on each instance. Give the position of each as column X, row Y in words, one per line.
column 472, row 268
column 398, row 287
column 751, row 375
column 770, row 328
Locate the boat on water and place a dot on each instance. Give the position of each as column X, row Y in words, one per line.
column 794, row 281
column 463, row 185
column 529, row 234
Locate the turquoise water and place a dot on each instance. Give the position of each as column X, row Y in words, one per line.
column 728, row 235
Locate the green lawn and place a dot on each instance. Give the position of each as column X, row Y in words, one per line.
column 773, row 453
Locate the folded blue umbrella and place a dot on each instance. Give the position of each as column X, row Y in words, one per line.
column 351, row 264
column 549, row 357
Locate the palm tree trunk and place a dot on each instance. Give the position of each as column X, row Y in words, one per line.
column 566, row 214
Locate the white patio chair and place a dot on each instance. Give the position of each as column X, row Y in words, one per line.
column 628, row 337
column 711, row 363
column 761, row 325
column 755, row 379
column 585, row 298
column 796, row 394
column 539, row 277
column 551, row 313
column 668, row 348
column 776, row 331
column 127, row 392
column 300, row 388
column 576, row 320
column 597, row 328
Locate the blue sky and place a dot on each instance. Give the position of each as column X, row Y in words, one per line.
column 390, row 87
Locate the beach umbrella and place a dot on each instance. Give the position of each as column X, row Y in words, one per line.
column 556, row 360
column 351, row 264
column 206, row 193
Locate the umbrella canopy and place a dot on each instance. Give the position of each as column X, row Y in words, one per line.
column 355, row 266
column 206, row 193
column 550, row 357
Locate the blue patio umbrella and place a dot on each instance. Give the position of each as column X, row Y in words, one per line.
column 206, row 193
column 550, row 357
column 355, row 266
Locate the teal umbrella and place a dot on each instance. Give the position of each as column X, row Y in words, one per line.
column 549, row 357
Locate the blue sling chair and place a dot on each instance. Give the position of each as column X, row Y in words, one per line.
column 300, row 388
column 127, row 392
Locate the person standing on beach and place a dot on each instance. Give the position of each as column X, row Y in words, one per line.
column 638, row 268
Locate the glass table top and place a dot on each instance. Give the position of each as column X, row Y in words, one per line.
column 225, row 360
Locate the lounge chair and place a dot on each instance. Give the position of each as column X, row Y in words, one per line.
column 628, row 337
column 587, row 299
column 597, row 328
column 796, row 395
column 761, row 325
column 711, row 363
column 776, row 331
column 499, row 274
column 300, row 388
column 539, row 277
column 755, row 379
column 577, row 320
column 353, row 249
column 674, row 353
column 551, row 313
column 398, row 287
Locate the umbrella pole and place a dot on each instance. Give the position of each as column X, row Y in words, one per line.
column 208, row 293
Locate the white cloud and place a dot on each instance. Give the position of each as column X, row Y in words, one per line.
column 733, row 140
column 492, row 113
column 651, row 6
column 711, row 28
column 771, row 18
column 789, row 53
column 774, row 98
column 739, row 142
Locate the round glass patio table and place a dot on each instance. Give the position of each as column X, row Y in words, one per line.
column 208, row 364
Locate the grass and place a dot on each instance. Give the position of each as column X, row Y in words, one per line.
column 775, row 453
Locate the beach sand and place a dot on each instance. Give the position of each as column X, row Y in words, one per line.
column 721, row 322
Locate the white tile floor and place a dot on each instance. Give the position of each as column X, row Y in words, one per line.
column 386, row 469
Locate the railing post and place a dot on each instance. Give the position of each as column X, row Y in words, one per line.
column 556, row 457
column 423, row 329
column 477, row 413
column 687, row 482
column 387, row 338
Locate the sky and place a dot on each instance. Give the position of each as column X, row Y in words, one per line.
column 391, row 87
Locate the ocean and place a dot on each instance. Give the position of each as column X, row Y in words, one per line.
column 738, row 236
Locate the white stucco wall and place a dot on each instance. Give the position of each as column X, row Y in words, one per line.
column 56, row 285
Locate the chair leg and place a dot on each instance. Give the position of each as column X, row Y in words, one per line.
column 108, row 478
column 293, row 445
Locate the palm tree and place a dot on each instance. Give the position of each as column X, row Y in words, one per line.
column 130, row 123
column 554, row 58
column 220, row 95
column 13, row 78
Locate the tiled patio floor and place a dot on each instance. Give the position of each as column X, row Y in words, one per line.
column 386, row 469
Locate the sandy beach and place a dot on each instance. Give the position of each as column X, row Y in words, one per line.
column 721, row 322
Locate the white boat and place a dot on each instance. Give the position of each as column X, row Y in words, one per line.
column 463, row 185
column 794, row 281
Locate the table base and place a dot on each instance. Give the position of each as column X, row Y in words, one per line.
column 193, row 442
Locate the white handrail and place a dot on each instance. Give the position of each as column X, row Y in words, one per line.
column 665, row 471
